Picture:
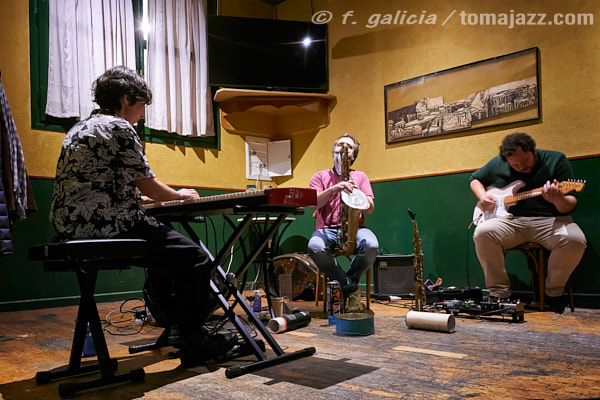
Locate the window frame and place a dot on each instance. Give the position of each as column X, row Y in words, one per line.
column 38, row 37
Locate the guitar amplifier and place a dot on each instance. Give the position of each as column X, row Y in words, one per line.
column 393, row 275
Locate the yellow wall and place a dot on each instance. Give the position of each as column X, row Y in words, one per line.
column 175, row 165
column 362, row 61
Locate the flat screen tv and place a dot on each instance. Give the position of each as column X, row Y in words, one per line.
column 265, row 54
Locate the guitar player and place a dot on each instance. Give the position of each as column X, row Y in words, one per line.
column 541, row 216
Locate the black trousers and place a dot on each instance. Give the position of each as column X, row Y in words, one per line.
column 178, row 277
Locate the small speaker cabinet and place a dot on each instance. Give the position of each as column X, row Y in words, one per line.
column 393, row 275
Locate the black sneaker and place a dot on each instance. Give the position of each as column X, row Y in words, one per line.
column 556, row 303
column 348, row 287
column 201, row 347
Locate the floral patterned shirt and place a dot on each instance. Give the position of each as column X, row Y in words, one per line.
column 94, row 193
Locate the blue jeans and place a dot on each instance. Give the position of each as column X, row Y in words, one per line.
column 323, row 241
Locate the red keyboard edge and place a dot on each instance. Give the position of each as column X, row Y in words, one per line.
column 300, row 197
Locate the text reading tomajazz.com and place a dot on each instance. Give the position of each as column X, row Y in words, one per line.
column 509, row 19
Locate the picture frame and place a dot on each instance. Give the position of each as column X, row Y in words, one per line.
column 492, row 92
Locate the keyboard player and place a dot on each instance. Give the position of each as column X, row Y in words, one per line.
column 101, row 171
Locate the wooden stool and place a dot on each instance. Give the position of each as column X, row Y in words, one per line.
column 537, row 261
column 321, row 289
column 86, row 258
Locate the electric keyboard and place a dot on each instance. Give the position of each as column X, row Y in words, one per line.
column 225, row 203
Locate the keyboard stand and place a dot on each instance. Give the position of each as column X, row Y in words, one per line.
column 228, row 283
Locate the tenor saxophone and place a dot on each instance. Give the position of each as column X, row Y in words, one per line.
column 351, row 206
column 417, row 266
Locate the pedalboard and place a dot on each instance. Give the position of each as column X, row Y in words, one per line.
column 453, row 293
column 487, row 307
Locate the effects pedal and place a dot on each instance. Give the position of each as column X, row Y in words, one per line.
column 485, row 308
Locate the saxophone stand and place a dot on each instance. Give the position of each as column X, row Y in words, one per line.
column 417, row 318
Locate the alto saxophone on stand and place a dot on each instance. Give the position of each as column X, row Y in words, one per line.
column 417, row 318
column 351, row 205
column 417, row 266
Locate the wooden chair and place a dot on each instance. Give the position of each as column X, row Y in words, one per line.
column 86, row 258
column 321, row 289
column 537, row 258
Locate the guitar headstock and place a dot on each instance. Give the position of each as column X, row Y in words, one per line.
column 569, row 186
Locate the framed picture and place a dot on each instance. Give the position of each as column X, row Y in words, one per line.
column 497, row 91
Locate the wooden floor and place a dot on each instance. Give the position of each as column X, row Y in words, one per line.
column 548, row 356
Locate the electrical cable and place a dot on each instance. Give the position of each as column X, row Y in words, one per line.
column 126, row 323
column 230, row 260
column 260, row 168
column 206, row 237
column 214, row 229
column 467, row 260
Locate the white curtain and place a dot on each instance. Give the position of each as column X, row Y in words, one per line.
column 86, row 37
column 176, row 68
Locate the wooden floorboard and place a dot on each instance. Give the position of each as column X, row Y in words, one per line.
column 548, row 356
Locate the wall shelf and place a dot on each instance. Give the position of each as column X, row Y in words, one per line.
column 273, row 114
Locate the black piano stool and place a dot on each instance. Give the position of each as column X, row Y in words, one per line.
column 86, row 258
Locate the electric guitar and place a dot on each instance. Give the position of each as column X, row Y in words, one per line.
column 507, row 197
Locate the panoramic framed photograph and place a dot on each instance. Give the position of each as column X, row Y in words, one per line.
column 497, row 91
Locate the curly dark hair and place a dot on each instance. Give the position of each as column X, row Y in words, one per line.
column 511, row 142
column 108, row 89
column 356, row 145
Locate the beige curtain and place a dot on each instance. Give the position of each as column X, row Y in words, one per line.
column 176, row 68
column 86, row 37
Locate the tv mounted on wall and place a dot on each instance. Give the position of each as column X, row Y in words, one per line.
column 265, row 54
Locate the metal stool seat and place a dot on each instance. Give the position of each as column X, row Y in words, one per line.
column 86, row 258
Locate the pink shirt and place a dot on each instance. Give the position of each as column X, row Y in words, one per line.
column 328, row 215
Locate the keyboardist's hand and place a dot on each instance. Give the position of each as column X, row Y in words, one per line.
column 188, row 194
column 147, row 200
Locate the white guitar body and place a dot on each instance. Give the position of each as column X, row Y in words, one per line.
column 501, row 209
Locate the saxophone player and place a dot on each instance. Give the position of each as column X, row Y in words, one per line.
column 335, row 233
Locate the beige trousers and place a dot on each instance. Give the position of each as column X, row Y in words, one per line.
column 560, row 235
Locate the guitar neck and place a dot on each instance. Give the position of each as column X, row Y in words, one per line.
column 565, row 187
column 513, row 198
